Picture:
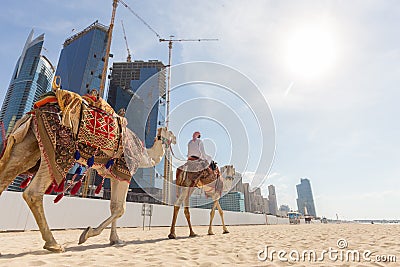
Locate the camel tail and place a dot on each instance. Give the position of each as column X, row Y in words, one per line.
column 17, row 134
column 4, row 158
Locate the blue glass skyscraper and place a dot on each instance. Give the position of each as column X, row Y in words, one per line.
column 82, row 59
column 305, row 199
column 31, row 78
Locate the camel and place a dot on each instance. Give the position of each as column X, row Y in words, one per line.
column 212, row 184
column 26, row 149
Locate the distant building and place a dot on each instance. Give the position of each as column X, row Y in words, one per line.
column 147, row 114
column 199, row 200
column 31, row 78
column 232, row 201
column 246, row 193
column 283, row 210
column 81, row 60
column 232, row 183
column 237, row 183
column 256, row 201
column 273, row 206
column 266, row 205
column 305, row 200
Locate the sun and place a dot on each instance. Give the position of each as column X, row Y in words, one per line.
column 310, row 52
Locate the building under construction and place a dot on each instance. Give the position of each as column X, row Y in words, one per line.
column 148, row 115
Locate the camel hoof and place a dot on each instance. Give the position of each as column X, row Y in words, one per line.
column 84, row 236
column 117, row 242
column 172, row 236
column 54, row 248
column 193, row 235
column 225, row 232
column 210, row 233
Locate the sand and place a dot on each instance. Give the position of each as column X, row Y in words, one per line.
column 238, row 248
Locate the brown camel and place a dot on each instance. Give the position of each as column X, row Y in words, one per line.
column 212, row 184
column 27, row 148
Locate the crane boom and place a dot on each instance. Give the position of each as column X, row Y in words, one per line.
column 105, row 67
column 139, row 17
column 170, row 42
column 128, row 58
column 187, row 40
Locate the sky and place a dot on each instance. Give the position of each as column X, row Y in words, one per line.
column 329, row 71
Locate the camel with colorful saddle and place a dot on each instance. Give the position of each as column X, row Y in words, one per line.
column 65, row 129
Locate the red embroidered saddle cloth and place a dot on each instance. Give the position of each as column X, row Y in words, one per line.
column 98, row 129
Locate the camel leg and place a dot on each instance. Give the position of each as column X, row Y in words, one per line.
column 24, row 156
column 119, row 190
column 177, row 205
column 114, row 239
column 33, row 196
column 212, row 213
column 172, row 234
column 221, row 214
column 187, row 215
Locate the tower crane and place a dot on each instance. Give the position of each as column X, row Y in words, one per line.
column 128, row 58
column 167, row 160
column 171, row 40
column 108, row 46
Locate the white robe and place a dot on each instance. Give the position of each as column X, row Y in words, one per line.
column 196, row 148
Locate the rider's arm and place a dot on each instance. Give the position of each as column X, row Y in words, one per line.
column 203, row 152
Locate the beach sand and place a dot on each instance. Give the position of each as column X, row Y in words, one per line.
column 238, row 248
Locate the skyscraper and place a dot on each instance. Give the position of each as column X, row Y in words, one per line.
column 246, row 193
column 283, row 210
column 256, row 201
column 305, row 200
column 32, row 77
column 148, row 111
column 82, row 59
column 273, row 205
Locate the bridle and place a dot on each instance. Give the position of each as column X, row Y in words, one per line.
column 167, row 142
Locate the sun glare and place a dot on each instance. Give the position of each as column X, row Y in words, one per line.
column 310, row 52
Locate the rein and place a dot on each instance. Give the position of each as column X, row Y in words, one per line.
column 173, row 154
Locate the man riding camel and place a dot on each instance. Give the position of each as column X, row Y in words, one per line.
column 196, row 150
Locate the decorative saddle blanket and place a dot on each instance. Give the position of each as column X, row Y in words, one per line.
column 55, row 140
column 98, row 129
column 58, row 144
column 191, row 167
column 194, row 165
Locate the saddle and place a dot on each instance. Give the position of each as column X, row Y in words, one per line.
column 98, row 128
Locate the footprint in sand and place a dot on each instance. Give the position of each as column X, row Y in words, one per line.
column 207, row 264
column 37, row 263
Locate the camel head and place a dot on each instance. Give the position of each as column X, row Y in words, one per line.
column 167, row 137
column 228, row 172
